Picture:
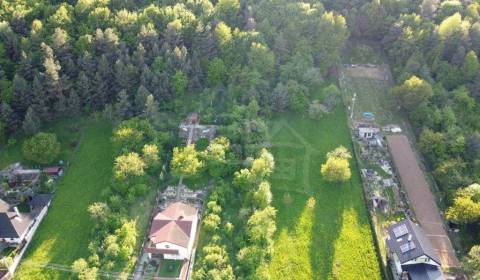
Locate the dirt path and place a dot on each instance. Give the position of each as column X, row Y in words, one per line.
column 421, row 198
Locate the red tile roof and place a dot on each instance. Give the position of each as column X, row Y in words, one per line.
column 173, row 224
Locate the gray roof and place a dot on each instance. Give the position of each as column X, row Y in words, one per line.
column 12, row 226
column 424, row 272
column 409, row 243
column 40, row 200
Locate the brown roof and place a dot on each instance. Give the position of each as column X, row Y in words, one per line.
column 173, row 224
column 53, row 169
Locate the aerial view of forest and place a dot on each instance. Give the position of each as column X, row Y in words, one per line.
column 228, row 139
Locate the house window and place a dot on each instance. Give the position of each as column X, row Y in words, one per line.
column 167, row 246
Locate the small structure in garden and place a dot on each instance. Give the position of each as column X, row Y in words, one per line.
column 16, row 176
column 53, row 171
column 368, row 116
column 392, row 128
column 366, row 130
column 380, row 202
column 411, row 254
column 190, row 130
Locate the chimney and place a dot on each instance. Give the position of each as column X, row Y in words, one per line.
column 17, row 212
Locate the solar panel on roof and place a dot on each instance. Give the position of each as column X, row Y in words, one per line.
column 400, row 231
column 407, row 247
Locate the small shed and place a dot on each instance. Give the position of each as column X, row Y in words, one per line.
column 53, row 171
column 193, row 118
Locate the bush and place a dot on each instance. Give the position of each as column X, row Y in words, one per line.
column 315, row 110
column 42, row 148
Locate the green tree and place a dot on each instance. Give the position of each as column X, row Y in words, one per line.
column 263, row 166
column 31, row 123
column 432, row 144
column 471, row 263
column 452, row 27
column 263, row 196
column 129, row 165
column 42, row 148
column 336, row 170
column 217, row 72
column 214, row 264
column 298, row 98
column 337, row 166
column 151, row 112
column 215, row 156
column 261, row 227
column 412, row 92
column 227, row 10
column 150, row 155
column 223, row 33
column 471, row 66
column 186, row 161
column 180, row 83
column 466, row 205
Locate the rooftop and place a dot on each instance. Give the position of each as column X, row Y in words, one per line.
column 408, row 241
column 173, row 224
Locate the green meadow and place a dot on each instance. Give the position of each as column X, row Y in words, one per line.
column 323, row 230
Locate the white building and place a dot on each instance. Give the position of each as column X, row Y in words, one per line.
column 172, row 233
column 366, row 131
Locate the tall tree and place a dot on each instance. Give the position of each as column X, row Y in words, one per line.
column 31, row 123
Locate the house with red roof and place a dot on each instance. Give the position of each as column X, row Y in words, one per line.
column 172, row 234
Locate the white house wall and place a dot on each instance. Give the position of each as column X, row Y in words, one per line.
column 182, row 251
column 421, row 260
column 193, row 232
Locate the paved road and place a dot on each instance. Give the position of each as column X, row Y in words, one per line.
column 421, row 198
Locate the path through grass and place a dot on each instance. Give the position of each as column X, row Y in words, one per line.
column 323, row 228
column 65, row 232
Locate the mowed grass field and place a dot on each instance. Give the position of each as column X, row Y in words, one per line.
column 65, row 232
column 371, row 96
column 323, row 231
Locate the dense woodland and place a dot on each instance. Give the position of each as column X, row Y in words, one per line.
column 238, row 62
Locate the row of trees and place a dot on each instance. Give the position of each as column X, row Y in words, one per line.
column 247, row 234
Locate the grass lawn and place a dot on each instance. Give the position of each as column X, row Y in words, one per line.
column 323, row 231
column 170, row 268
column 371, row 96
column 65, row 232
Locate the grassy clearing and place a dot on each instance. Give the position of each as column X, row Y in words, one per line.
column 323, row 230
column 65, row 233
column 371, row 96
